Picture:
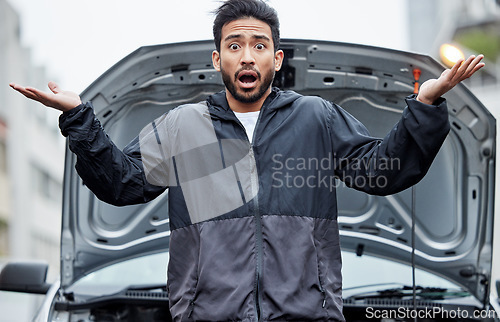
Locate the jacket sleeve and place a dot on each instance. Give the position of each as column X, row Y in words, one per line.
column 396, row 162
column 114, row 176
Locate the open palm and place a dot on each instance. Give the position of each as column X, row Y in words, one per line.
column 57, row 98
column 432, row 89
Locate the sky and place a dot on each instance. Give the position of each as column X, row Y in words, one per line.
column 79, row 40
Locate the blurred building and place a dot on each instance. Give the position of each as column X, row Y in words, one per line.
column 473, row 26
column 31, row 156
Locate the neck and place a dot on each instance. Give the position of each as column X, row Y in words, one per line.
column 241, row 107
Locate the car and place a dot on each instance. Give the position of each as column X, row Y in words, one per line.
column 425, row 252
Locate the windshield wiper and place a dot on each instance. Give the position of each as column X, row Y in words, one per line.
column 146, row 287
column 147, row 294
column 406, row 292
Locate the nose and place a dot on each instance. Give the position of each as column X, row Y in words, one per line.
column 247, row 57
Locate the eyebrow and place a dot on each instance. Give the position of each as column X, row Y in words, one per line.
column 235, row 36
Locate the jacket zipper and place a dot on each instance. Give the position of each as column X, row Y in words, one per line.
column 258, row 271
column 258, row 223
column 322, row 290
column 191, row 308
column 257, row 216
column 258, row 226
column 324, row 296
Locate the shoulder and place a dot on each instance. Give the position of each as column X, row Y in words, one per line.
column 190, row 108
column 290, row 96
column 184, row 112
column 314, row 103
column 316, row 100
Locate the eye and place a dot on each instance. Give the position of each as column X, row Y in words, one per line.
column 234, row 46
column 260, row 46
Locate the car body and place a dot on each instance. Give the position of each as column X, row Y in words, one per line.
column 114, row 259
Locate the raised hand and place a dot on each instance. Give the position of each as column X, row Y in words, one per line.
column 432, row 89
column 58, row 99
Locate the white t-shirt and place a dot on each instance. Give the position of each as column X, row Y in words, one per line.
column 248, row 120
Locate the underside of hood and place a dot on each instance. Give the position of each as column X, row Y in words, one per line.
column 453, row 204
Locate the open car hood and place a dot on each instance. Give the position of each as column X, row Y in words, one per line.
column 453, row 203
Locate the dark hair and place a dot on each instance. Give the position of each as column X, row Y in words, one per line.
column 232, row 10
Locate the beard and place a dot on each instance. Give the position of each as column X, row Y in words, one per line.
column 247, row 96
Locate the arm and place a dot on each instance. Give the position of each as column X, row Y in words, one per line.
column 114, row 176
column 396, row 162
column 404, row 156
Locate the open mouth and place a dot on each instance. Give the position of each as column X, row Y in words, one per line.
column 247, row 78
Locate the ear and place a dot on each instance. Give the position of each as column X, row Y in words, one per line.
column 278, row 59
column 216, row 60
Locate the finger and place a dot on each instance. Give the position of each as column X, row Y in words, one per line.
column 54, row 87
column 39, row 95
column 454, row 72
column 475, row 69
column 35, row 91
column 23, row 91
column 472, row 61
column 34, row 94
column 478, row 67
column 464, row 67
column 464, row 70
column 474, row 66
column 457, row 66
column 478, row 58
column 16, row 86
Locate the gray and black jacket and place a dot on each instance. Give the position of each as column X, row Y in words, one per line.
column 254, row 232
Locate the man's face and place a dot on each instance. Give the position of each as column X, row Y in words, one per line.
column 247, row 60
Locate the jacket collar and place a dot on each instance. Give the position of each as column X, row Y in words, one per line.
column 219, row 106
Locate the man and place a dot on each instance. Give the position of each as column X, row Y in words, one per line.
column 242, row 248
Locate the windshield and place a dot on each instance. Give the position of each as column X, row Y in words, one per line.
column 358, row 272
column 145, row 270
column 361, row 271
